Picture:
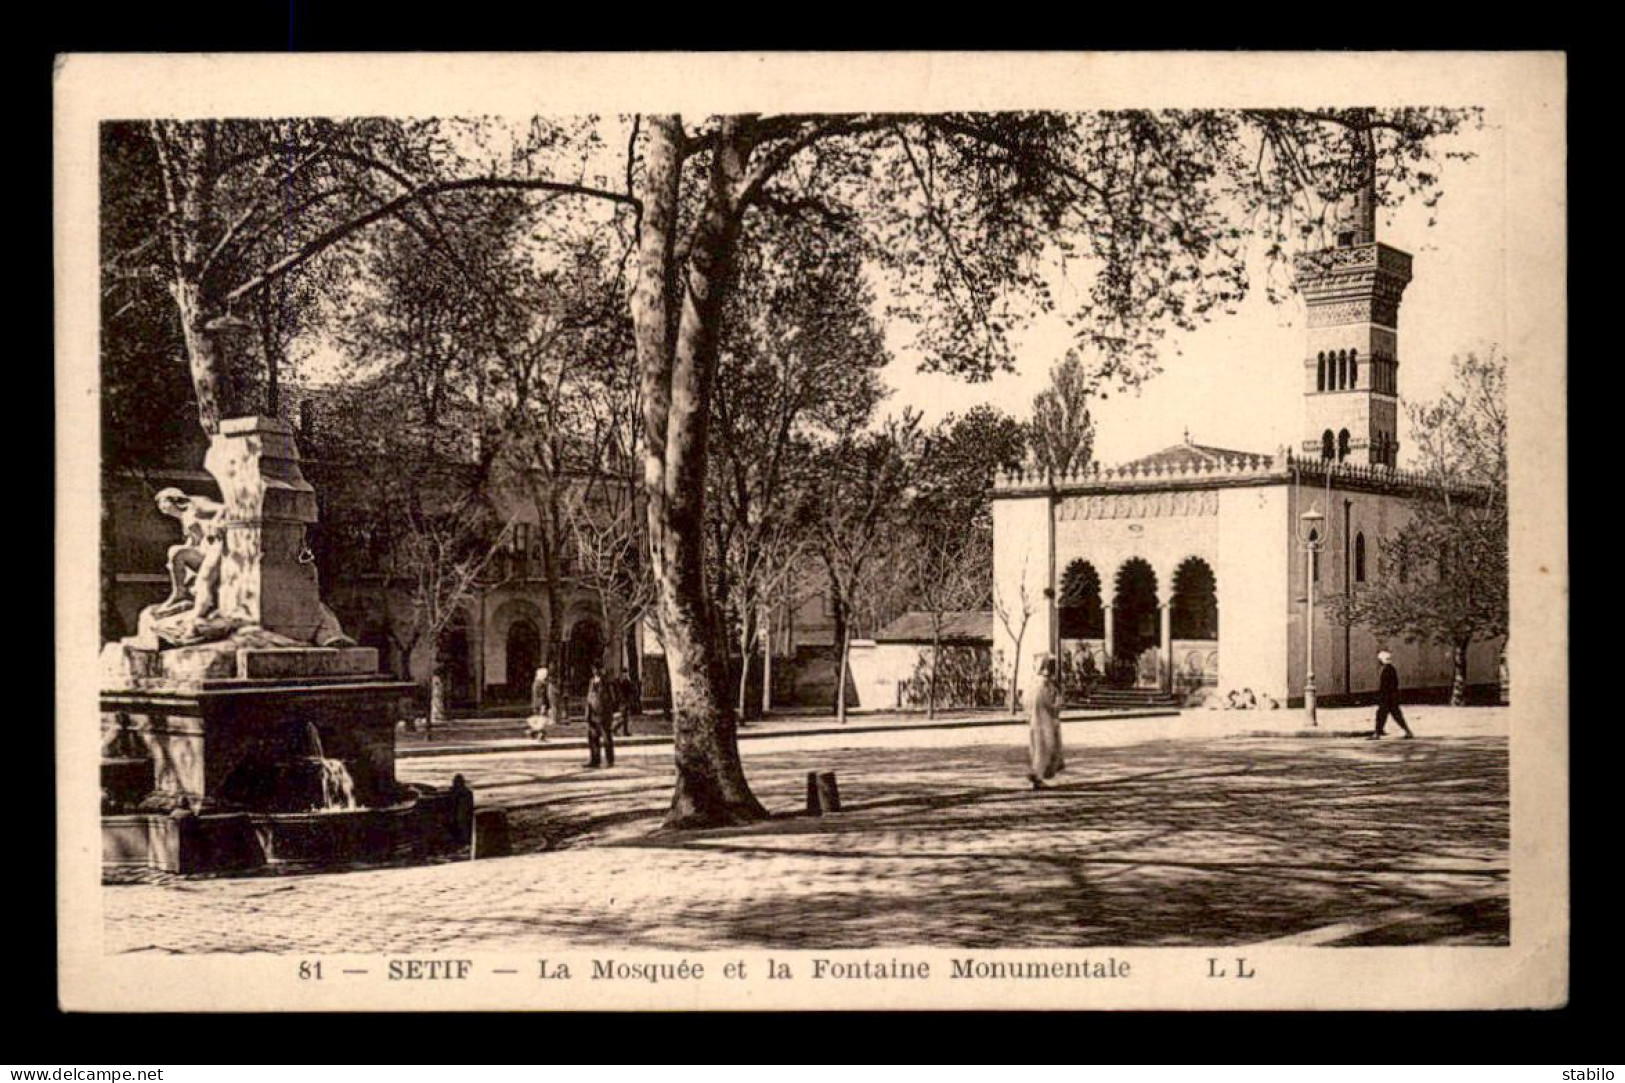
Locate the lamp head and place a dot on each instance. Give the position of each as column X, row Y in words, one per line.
column 1309, row 525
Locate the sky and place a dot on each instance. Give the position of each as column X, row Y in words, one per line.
column 1238, row 382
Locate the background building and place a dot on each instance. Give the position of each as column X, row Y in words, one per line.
column 1189, row 567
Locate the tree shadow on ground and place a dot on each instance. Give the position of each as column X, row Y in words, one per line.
column 1245, row 844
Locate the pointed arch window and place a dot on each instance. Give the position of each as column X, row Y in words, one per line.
column 1342, row 445
column 1328, row 445
column 1354, row 368
column 1359, row 557
column 1320, row 372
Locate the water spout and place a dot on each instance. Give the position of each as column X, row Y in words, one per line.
column 338, row 788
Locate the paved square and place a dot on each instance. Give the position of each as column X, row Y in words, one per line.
column 1161, row 832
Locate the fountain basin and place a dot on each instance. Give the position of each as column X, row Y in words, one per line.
column 423, row 824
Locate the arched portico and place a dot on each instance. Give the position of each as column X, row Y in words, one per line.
column 1193, row 620
column 1137, row 622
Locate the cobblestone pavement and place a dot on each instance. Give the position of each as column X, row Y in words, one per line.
column 1151, row 837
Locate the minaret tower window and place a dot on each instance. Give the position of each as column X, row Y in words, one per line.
column 1351, row 291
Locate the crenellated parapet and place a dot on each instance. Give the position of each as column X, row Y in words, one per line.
column 1376, row 477
column 1243, row 469
column 1282, row 467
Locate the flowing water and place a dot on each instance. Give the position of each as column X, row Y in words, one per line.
column 338, row 788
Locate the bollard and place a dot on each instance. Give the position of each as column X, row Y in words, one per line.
column 491, row 837
column 822, row 793
column 828, row 791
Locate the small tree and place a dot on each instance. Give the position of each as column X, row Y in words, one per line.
column 606, row 539
column 1443, row 575
column 1014, row 613
column 947, row 572
column 852, row 512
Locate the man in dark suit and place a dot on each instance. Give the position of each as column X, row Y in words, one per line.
column 1388, row 697
column 600, row 721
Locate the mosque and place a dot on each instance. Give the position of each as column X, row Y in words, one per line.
column 1188, row 568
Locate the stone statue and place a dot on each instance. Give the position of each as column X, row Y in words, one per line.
column 191, row 613
column 194, row 564
column 241, row 576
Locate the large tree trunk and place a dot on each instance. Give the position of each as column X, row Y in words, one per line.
column 767, row 661
column 745, row 631
column 271, row 349
column 186, row 160
column 437, row 690
column 931, row 689
column 112, row 625
column 1458, row 674
column 203, row 354
column 840, row 677
column 677, row 356
column 553, row 653
column 838, row 616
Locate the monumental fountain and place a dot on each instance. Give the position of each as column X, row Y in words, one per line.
column 241, row 728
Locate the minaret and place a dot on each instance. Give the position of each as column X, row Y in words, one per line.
column 1351, row 292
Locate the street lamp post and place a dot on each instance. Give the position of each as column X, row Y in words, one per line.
column 1310, row 523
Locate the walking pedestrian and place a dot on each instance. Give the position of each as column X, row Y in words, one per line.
column 623, row 698
column 1044, row 726
column 1388, row 698
column 600, row 722
column 540, row 709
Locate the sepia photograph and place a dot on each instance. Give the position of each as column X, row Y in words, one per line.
column 805, row 531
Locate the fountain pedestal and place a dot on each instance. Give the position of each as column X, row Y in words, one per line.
column 206, row 738
column 245, row 729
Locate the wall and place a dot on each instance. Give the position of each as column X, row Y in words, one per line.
column 876, row 670
column 883, row 670
column 1252, row 586
column 1345, row 658
column 1020, row 576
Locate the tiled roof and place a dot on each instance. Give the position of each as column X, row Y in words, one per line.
column 1189, row 454
column 915, row 627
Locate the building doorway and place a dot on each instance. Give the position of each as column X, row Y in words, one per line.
column 524, row 655
column 583, row 650
column 456, row 667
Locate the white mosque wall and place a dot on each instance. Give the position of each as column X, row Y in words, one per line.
column 1020, row 576
column 1252, row 571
